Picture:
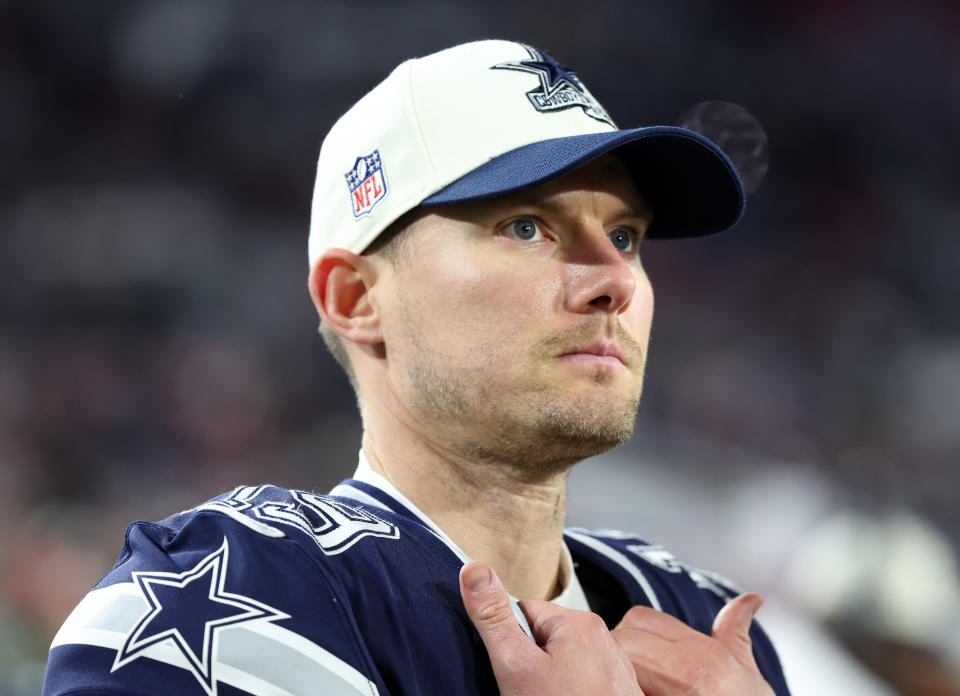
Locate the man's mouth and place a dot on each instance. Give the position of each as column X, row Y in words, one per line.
column 599, row 351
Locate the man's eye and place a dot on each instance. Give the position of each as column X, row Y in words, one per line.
column 622, row 239
column 523, row 229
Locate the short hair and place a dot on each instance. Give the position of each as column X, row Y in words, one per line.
column 392, row 244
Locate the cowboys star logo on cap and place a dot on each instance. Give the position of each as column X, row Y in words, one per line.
column 368, row 186
column 560, row 88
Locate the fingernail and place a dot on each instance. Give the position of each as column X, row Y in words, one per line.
column 755, row 602
column 477, row 578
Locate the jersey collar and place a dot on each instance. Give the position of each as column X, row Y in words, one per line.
column 371, row 488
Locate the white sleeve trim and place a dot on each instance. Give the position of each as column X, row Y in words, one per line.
column 285, row 662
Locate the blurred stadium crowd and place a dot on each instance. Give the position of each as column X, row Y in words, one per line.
column 157, row 345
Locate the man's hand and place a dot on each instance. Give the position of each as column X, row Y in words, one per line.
column 575, row 654
column 672, row 658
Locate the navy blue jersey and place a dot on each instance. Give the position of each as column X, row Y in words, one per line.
column 270, row 591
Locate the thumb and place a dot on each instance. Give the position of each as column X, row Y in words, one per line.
column 732, row 626
column 488, row 606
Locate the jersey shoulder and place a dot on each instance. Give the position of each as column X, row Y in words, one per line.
column 630, row 551
column 318, row 522
column 646, row 573
column 245, row 589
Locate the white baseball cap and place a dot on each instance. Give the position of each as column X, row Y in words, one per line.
column 487, row 118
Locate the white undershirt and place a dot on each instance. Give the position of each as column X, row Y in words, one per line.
column 571, row 594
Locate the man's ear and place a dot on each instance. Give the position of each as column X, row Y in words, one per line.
column 340, row 283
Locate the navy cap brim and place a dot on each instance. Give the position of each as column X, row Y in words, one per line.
column 691, row 186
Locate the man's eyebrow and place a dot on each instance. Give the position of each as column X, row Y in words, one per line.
column 629, row 212
column 556, row 207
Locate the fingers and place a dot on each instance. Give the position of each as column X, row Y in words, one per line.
column 648, row 653
column 666, row 627
column 488, row 606
column 732, row 625
column 578, row 654
column 672, row 657
column 549, row 621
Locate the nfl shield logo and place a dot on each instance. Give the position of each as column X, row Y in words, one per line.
column 368, row 186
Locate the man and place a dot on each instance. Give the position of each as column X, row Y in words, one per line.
column 474, row 261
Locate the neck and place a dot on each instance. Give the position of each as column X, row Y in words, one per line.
column 508, row 519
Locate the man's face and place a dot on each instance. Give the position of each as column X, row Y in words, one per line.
column 516, row 329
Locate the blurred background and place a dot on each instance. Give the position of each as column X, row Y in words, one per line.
column 800, row 430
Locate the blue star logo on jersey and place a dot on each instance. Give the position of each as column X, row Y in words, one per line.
column 188, row 610
column 559, row 88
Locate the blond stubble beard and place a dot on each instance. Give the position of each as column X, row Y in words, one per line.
column 535, row 434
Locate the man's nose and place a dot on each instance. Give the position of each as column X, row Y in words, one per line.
column 600, row 279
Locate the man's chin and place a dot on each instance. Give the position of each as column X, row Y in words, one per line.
column 553, row 438
column 587, row 437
